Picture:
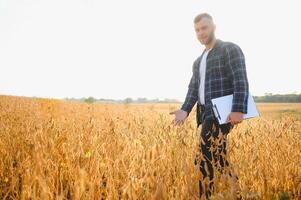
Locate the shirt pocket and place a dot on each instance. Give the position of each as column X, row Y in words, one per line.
column 218, row 69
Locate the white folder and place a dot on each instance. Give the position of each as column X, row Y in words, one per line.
column 222, row 108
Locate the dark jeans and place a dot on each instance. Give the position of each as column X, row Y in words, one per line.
column 213, row 143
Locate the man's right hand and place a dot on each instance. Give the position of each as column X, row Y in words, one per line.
column 180, row 116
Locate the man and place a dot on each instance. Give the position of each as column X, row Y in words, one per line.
column 219, row 71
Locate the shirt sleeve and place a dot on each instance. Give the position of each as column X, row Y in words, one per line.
column 192, row 93
column 236, row 62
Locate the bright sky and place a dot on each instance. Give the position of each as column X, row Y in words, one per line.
column 118, row 49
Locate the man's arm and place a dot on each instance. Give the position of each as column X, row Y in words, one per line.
column 192, row 93
column 236, row 61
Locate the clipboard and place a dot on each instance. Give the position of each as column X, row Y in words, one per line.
column 222, row 108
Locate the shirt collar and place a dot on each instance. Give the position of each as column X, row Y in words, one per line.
column 217, row 44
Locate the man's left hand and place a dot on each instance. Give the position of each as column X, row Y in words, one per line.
column 235, row 118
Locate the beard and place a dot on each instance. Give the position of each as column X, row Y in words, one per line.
column 209, row 39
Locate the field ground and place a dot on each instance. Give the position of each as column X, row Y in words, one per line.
column 53, row 149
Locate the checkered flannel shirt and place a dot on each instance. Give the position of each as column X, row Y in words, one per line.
column 225, row 74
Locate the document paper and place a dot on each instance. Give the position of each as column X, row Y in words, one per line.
column 222, row 108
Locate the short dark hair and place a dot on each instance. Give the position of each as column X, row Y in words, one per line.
column 201, row 16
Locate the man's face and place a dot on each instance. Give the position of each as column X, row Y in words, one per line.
column 204, row 30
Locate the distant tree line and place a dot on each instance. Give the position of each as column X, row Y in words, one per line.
column 127, row 100
column 268, row 97
column 279, row 98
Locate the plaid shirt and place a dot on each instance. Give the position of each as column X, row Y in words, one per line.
column 225, row 74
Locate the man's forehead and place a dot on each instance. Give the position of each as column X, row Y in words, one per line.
column 204, row 21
